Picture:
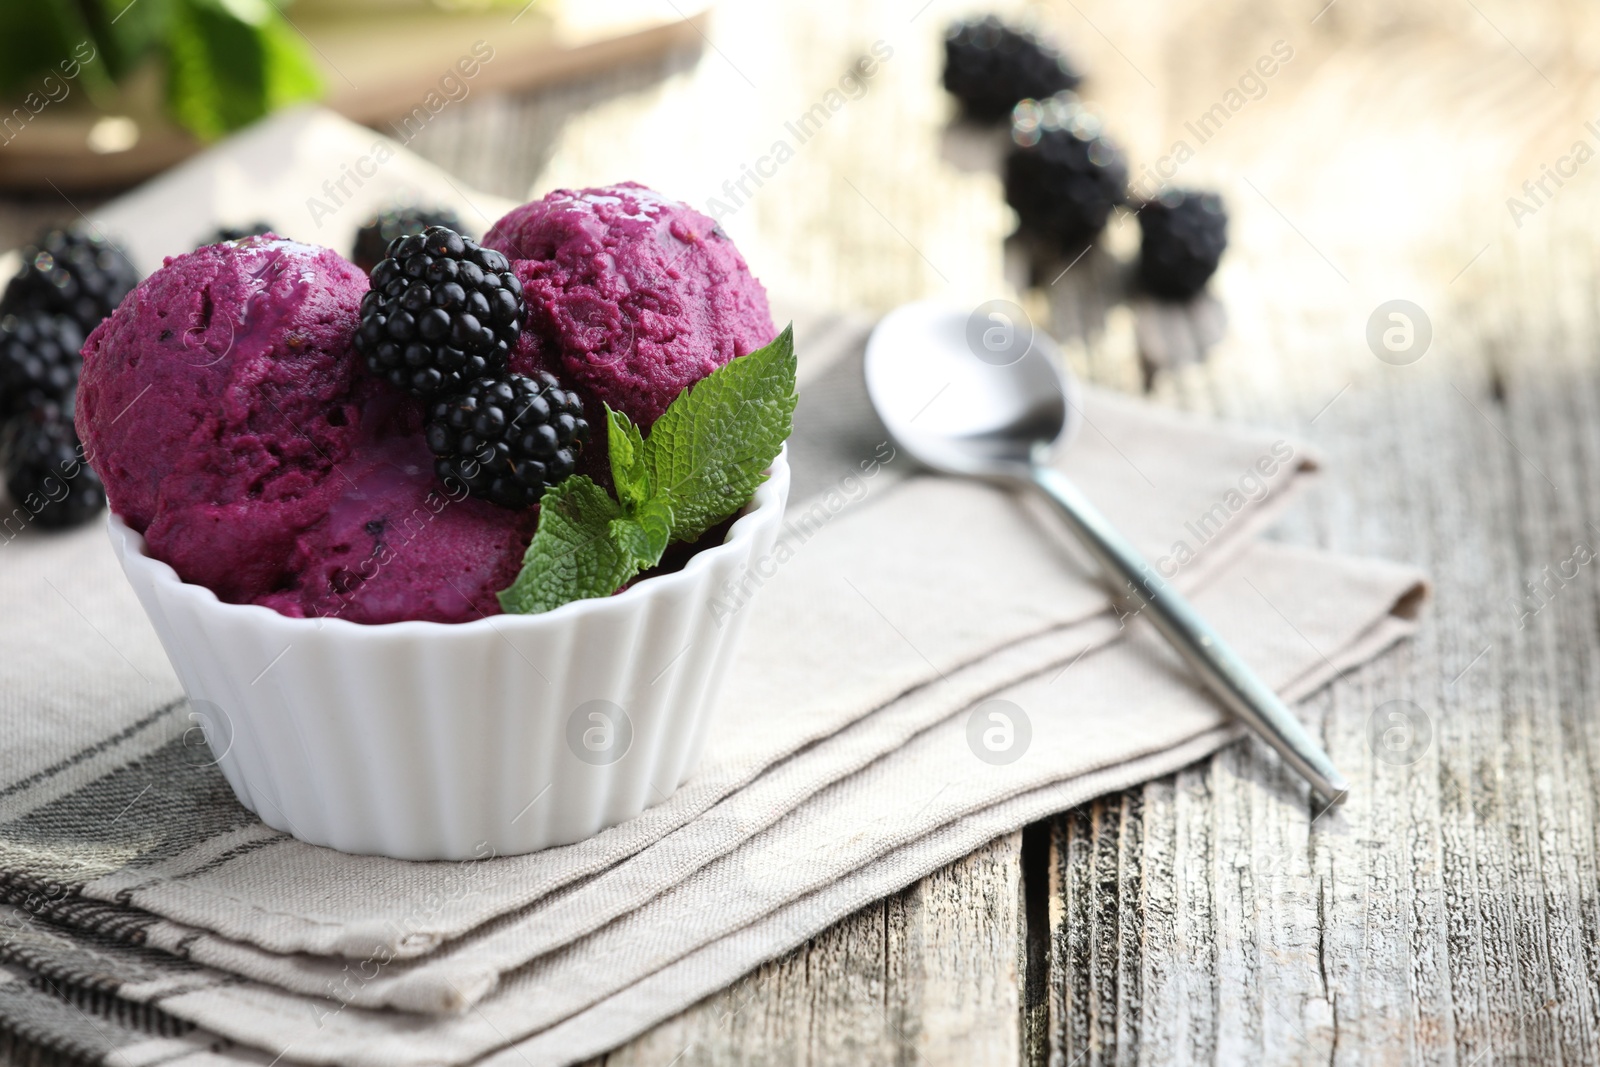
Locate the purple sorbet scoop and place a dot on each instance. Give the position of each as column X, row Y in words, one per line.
column 631, row 297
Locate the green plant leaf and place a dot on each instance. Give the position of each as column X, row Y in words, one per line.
column 655, row 518
column 231, row 62
column 711, row 448
column 292, row 75
column 228, row 62
column 703, row 459
column 127, row 32
column 36, row 39
column 629, row 472
column 575, row 552
column 643, row 537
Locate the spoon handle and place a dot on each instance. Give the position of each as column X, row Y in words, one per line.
column 1225, row 674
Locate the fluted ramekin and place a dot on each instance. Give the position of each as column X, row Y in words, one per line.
column 424, row 740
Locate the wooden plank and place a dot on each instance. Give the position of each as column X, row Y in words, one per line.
column 926, row 977
column 1447, row 914
column 378, row 65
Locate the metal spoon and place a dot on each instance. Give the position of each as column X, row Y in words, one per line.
column 1016, row 405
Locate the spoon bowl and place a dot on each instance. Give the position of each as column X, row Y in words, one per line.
column 986, row 395
column 974, row 410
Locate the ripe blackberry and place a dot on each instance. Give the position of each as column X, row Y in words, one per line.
column 378, row 232
column 45, row 471
column 39, row 360
column 71, row 272
column 989, row 66
column 1062, row 176
column 508, row 438
column 1185, row 233
column 236, row 233
column 442, row 312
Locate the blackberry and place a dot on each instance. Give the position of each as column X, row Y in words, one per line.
column 378, row 232
column 39, row 360
column 45, row 471
column 442, row 312
column 1184, row 234
column 71, row 272
column 236, row 233
column 1062, row 176
column 508, row 438
column 989, row 66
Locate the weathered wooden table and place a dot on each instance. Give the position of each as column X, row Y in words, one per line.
column 1450, row 912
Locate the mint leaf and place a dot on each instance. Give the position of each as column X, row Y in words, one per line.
column 643, row 539
column 628, row 468
column 711, row 448
column 575, row 552
column 703, row 460
column 656, row 520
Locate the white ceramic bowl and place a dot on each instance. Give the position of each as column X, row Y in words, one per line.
column 425, row 740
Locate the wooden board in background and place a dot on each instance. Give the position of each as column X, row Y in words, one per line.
column 377, row 67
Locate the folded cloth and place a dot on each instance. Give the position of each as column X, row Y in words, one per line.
column 779, row 856
column 893, row 581
column 1302, row 615
column 857, row 746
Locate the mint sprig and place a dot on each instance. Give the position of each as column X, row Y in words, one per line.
column 704, row 458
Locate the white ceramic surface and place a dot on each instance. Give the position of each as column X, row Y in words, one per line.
column 423, row 740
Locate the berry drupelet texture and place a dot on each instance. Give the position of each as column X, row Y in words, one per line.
column 39, row 360
column 989, row 66
column 1062, row 176
column 442, row 312
column 508, row 438
column 71, row 272
column 379, row 232
column 1184, row 235
column 45, row 471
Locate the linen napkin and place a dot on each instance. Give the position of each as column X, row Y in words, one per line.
column 901, row 603
column 849, row 844
column 1003, row 578
column 1341, row 608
